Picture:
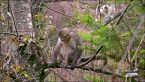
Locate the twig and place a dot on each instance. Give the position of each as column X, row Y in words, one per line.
column 106, row 22
column 99, row 70
column 89, row 60
column 138, row 48
column 57, row 11
column 8, row 33
column 121, row 16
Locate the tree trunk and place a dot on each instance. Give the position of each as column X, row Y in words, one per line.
column 21, row 12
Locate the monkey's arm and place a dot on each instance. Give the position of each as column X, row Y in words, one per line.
column 56, row 51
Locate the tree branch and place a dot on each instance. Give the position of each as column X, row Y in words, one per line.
column 121, row 16
column 7, row 33
column 97, row 70
column 90, row 59
column 57, row 11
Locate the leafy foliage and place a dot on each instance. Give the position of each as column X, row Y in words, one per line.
column 103, row 36
column 85, row 18
column 31, row 51
column 140, row 5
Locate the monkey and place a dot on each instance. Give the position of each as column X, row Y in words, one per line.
column 107, row 11
column 67, row 48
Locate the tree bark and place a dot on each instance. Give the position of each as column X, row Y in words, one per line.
column 21, row 12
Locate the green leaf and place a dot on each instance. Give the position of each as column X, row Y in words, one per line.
column 142, row 51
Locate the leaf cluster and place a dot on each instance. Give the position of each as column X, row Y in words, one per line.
column 103, row 36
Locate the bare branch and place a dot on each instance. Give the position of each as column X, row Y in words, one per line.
column 97, row 70
column 121, row 16
column 7, row 33
column 134, row 56
column 89, row 60
column 57, row 11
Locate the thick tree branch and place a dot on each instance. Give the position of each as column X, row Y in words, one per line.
column 97, row 70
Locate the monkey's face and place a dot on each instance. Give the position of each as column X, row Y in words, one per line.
column 104, row 9
column 65, row 37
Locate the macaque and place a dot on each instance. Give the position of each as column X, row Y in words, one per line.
column 107, row 10
column 67, row 48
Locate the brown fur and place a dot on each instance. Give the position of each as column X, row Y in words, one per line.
column 66, row 48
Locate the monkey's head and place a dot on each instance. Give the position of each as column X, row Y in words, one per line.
column 64, row 34
column 104, row 9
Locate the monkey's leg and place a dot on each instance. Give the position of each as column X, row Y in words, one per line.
column 66, row 61
column 76, row 57
column 61, row 58
column 55, row 53
column 74, row 60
